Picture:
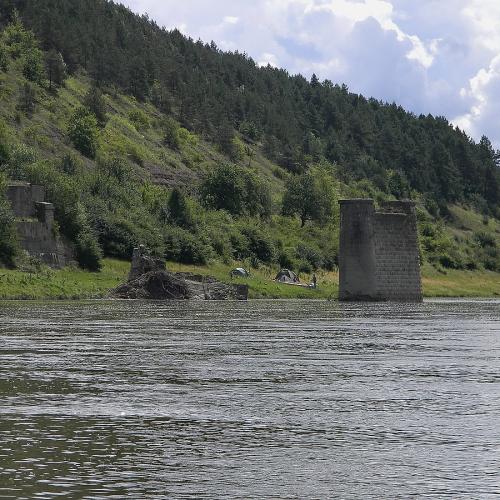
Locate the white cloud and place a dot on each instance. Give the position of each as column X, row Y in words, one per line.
column 431, row 56
column 231, row 20
column 268, row 59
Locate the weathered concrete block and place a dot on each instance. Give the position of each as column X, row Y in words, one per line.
column 35, row 224
column 379, row 256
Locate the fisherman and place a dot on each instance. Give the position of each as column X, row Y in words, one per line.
column 315, row 281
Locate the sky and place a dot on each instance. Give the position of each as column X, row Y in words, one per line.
column 430, row 56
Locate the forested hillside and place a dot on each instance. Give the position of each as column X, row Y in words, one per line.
column 143, row 135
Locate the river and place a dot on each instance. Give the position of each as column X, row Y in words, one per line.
column 265, row 399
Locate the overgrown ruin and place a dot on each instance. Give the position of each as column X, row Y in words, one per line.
column 150, row 279
column 379, row 253
column 35, row 224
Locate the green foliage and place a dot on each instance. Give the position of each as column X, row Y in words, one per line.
column 225, row 139
column 236, row 190
column 182, row 246
column 70, row 164
column 88, row 252
column 171, row 133
column 179, row 210
column 250, row 130
column 139, row 119
column 55, row 68
column 18, row 41
column 310, row 255
column 34, row 66
column 84, row 132
column 299, row 121
column 19, row 159
column 4, row 148
column 108, row 200
column 485, row 240
column 161, row 98
column 9, row 246
column 311, row 196
column 4, row 57
column 27, row 99
column 95, row 103
column 258, row 244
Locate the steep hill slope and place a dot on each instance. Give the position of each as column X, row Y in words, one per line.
column 298, row 121
column 111, row 139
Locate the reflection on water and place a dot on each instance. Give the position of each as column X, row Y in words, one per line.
column 278, row 399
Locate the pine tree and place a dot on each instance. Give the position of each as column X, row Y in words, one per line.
column 56, row 68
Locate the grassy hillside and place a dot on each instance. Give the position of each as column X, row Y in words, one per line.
column 147, row 179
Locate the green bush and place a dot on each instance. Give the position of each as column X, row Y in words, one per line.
column 309, row 254
column 305, row 267
column 485, row 240
column 19, row 160
column 139, row 119
column 83, row 132
column 4, row 57
column 88, row 252
column 286, row 260
column 235, row 190
column 179, row 210
column 9, row 247
column 260, row 244
column 120, row 233
column 171, row 134
column 94, row 102
column 4, row 145
column 34, row 66
column 182, row 246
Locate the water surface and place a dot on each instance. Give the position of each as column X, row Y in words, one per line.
column 265, row 399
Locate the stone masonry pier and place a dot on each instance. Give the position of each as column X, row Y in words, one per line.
column 379, row 255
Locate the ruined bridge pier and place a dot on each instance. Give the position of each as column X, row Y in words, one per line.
column 379, row 253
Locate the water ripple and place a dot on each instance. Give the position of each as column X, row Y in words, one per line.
column 277, row 399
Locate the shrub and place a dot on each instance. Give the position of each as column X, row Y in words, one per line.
column 27, row 99
column 83, row 132
column 484, row 239
column 34, row 66
column 20, row 158
column 250, row 130
column 179, row 210
column 286, row 260
column 88, row 252
column 94, row 102
column 171, row 134
column 120, row 233
column 311, row 255
column 182, row 246
column 56, row 68
column 235, row 190
column 260, row 244
column 70, row 164
column 9, row 247
column 305, row 267
column 139, row 119
column 4, row 148
column 4, row 58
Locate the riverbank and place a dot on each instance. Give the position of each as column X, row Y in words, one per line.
column 73, row 284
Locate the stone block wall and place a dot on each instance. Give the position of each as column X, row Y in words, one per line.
column 35, row 224
column 379, row 256
column 23, row 198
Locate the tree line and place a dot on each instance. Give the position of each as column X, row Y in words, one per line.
column 297, row 122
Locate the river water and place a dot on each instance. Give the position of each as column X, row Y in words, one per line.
column 265, row 399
